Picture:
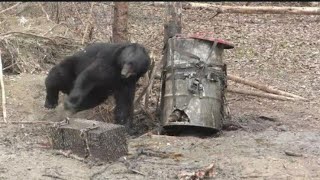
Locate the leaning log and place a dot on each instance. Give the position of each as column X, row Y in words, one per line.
column 251, row 9
column 260, row 94
column 262, row 87
column 172, row 26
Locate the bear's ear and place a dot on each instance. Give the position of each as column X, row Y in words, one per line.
column 119, row 50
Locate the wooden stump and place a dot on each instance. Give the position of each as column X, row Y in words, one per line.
column 95, row 140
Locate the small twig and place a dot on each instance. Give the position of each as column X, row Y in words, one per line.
column 144, row 90
column 288, row 153
column 129, row 166
column 100, row 112
column 53, row 176
column 268, row 118
column 5, row 10
column 146, row 96
column 3, row 21
column 151, row 79
column 15, row 63
column 4, row 111
column 136, row 171
column 69, row 154
column 160, row 154
column 163, row 163
column 65, row 33
column 44, row 11
column 99, row 172
column 56, row 25
column 215, row 15
column 140, row 96
column 252, row 176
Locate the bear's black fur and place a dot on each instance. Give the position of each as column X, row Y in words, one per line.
column 90, row 76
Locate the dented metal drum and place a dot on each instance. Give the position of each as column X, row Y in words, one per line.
column 195, row 82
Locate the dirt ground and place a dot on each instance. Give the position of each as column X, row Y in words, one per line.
column 278, row 50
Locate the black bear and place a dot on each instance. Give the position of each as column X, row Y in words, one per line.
column 90, row 76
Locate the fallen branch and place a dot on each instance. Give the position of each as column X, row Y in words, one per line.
column 250, row 9
column 29, row 34
column 261, row 94
column 31, row 122
column 5, row 10
column 3, row 96
column 263, row 87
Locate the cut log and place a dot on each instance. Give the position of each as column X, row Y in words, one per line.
column 263, row 87
column 90, row 139
column 251, row 9
column 260, row 94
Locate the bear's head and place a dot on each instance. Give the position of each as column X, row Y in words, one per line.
column 133, row 60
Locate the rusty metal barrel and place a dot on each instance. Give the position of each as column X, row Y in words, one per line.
column 194, row 83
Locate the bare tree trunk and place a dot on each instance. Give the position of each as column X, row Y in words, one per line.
column 172, row 27
column 119, row 29
column 173, row 21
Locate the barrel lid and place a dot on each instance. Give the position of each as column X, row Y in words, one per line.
column 208, row 36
